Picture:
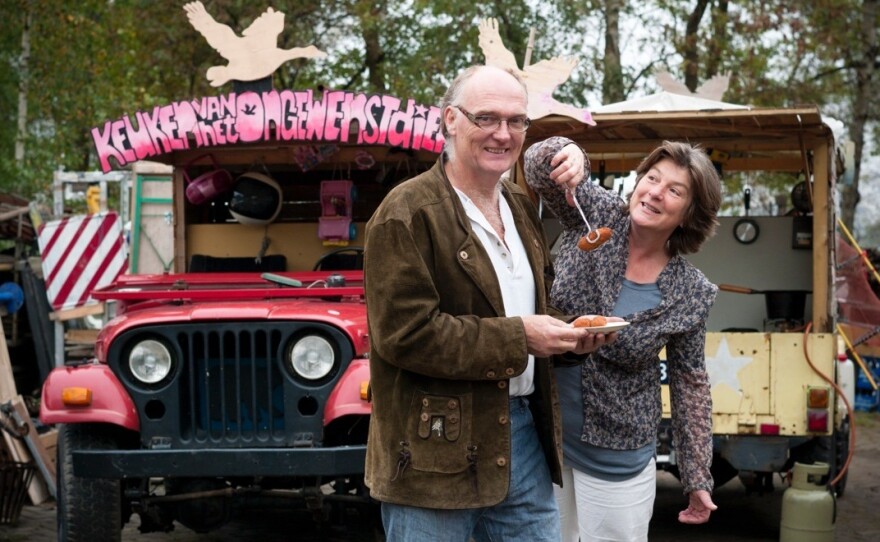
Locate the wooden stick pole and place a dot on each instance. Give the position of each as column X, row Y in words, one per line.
column 531, row 45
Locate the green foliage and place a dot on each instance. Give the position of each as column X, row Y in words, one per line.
column 94, row 60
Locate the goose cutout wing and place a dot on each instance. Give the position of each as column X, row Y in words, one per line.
column 541, row 78
column 219, row 36
column 493, row 48
column 253, row 55
column 713, row 89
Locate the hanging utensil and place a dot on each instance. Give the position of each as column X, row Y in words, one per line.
column 578, row 207
column 594, row 238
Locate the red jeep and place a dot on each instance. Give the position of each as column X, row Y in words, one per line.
column 240, row 379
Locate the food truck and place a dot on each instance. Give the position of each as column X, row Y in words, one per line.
column 772, row 343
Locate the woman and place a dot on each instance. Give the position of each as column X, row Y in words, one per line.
column 611, row 404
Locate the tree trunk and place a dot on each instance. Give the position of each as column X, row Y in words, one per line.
column 612, row 82
column 24, row 60
column 372, row 25
column 866, row 87
column 691, row 51
column 717, row 46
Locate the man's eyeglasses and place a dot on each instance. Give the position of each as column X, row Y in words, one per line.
column 491, row 123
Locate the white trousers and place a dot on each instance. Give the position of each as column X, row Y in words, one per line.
column 594, row 510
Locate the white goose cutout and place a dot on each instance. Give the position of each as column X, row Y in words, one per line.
column 713, row 89
column 253, row 55
column 541, row 78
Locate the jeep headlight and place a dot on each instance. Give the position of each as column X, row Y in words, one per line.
column 149, row 361
column 312, row 357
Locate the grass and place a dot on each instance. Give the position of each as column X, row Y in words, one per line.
column 867, row 420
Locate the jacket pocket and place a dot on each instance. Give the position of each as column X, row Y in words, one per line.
column 442, row 428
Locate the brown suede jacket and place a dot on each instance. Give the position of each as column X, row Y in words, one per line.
column 442, row 350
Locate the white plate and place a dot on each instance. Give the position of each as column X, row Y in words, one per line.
column 608, row 328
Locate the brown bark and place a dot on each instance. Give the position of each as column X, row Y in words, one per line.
column 866, row 86
column 691, row 51
column 24, row 74
column 718, row 44
column 612, row 82
column 374, row 54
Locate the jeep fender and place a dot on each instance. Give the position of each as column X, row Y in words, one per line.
column 110, row 402
column 345, row 399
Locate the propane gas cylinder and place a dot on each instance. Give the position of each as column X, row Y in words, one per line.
column 808, row 506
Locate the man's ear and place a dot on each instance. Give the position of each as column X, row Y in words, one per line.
column 449, row 119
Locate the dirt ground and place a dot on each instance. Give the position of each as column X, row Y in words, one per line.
column 756, row 517
column 739, row 517
column 858, row 510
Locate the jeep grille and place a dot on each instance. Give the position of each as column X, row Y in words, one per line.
column 231, row 385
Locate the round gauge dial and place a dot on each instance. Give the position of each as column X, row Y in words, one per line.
column 746, row 230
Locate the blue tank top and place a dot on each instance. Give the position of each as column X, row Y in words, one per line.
column 602, row 463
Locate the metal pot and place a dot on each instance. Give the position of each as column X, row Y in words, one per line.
column 781, row 304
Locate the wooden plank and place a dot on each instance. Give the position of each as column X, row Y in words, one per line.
column 37, row 490
column 81, row 336
column 7, row 379
column 78, row 312
column 823, row 241
column 13, row 214
column 49, row 440
column 180, row 233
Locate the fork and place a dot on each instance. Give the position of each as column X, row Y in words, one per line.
column 590, row 230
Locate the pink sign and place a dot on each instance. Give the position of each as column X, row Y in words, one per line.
column 280, row 116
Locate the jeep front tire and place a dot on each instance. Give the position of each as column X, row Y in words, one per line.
column 88, row 508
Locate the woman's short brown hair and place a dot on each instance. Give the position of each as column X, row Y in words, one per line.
column 700, row 219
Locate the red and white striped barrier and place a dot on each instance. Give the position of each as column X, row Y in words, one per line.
column 79, row 254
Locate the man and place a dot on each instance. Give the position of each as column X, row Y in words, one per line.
column 465, row 431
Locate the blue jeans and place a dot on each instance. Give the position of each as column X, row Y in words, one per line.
column 529, row 513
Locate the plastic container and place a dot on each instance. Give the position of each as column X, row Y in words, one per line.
column 846, row 378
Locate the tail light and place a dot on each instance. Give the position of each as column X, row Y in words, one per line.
column 817, row 397
column 769, row 429
column 818, row 400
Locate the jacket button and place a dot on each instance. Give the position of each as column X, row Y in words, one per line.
column 502, row 420
column 425, row 416
column 463, row 255
column 502, row 384
column 424, row 402
column 509, row 371
column 490, row 374
column 452, row 404
column 501, row 461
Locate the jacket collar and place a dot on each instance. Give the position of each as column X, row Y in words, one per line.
column 477, row 263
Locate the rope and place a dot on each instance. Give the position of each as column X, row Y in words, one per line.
column 849, row 410
column 855, row 245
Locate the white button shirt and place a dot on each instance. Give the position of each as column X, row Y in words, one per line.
column 514, row 274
